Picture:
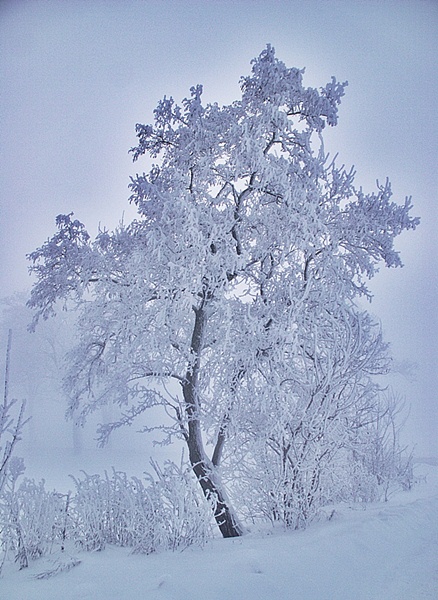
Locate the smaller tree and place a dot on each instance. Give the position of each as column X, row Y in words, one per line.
column 310, row 415
column 11, row 426
column 12, row 422
column 381, row 452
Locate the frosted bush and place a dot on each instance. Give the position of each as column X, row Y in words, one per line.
column 32, row 520
column 163, row 513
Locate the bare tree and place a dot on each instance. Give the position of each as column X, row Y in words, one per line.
column 11, row 425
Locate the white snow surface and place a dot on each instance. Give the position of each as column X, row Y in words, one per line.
column 382, row 551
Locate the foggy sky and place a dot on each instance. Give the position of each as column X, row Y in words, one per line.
column 75, row 78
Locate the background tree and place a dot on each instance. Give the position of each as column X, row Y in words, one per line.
column 37, row 370
column 244, row 263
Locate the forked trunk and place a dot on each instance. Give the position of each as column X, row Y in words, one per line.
column 202, row 467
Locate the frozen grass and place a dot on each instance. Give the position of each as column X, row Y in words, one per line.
column 384, row 551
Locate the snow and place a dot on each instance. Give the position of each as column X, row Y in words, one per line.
column 381, row 551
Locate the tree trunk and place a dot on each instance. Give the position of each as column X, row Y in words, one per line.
column 202, row 466
column 223, row 514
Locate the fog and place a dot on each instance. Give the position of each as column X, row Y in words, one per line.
column 77, row 76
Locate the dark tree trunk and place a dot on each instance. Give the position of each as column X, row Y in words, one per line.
column 223, row 514
column 202, row 466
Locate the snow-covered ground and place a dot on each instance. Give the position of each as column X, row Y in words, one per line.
column 384, row 551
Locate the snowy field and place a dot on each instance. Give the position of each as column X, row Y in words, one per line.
column 384, row 551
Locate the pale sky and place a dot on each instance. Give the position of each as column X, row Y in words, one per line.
column 76, row 76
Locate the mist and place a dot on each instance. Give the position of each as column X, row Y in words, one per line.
column 77, row 77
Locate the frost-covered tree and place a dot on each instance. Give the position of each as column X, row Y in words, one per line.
column 239, row 274
column 309, row 414
column 37, row 368
column 11, row 425
column 11, row 467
